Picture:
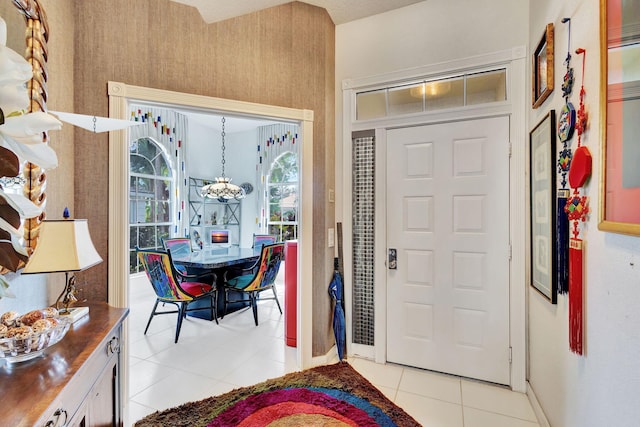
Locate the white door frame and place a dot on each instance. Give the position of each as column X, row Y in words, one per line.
column 120, row 95
column 515, row 61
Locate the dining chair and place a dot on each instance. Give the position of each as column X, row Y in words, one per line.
column 259, row 240
column 180, row 247
column 260, row 277
column 173, row 287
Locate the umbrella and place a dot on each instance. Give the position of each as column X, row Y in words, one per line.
column 336, row 290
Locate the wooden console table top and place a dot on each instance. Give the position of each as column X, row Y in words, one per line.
column 27, row 389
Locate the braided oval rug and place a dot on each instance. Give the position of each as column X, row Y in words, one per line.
column 332, row 395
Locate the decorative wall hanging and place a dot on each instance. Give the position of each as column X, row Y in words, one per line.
column 170, row 130
column 566, row 126
column 273, row 141
column 577, row 209
column 542, row 83
column 542, row 188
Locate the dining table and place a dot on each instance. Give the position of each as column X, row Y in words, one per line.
column 218, row 259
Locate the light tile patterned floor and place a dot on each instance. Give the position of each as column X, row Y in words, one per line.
column 211, row 359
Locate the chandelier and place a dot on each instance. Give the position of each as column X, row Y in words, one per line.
column 222, row 189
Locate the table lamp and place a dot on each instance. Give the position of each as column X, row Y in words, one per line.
column 64, row 245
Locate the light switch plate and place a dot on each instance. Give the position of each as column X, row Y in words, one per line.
column 330, row 237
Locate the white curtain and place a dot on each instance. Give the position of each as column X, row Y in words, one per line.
column 273, row 141
column 170, row 130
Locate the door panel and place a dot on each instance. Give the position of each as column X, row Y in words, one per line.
column 448, row 218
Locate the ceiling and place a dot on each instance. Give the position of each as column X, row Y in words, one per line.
column 233, row 124
column 341, row 11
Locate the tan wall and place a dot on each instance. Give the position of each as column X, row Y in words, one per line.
column 280, row 56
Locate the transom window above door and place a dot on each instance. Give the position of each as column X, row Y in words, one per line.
column 432, row 94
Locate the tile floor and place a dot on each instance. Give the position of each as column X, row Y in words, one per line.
column 211, row 359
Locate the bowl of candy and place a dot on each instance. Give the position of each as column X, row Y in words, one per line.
column 26, row 337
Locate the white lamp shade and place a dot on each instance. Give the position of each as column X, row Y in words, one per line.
column 64, row 245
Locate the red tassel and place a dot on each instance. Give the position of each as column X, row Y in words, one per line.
column 575, row 296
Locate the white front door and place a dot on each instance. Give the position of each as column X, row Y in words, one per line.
column 448, row 220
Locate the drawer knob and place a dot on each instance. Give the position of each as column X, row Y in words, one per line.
column 57, row 415
column 113, row 346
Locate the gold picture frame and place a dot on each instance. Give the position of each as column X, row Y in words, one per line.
column 542, row 76
column 619, row 210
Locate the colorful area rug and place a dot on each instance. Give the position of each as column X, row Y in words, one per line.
column 332, row 395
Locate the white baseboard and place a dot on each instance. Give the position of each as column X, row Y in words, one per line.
column 537, row 409
column 328, row 358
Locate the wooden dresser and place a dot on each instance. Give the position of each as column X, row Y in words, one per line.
column 76, row 383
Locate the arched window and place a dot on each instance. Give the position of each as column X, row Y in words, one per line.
column 151, row 186
column 283, row 197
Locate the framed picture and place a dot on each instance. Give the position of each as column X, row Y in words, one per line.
column 543, row 68
column 542, row 188
column 619, row 209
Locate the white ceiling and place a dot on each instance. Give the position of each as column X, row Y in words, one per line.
column 233, row 124
column 341, row 11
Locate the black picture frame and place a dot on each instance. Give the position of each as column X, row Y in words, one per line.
column 542, row 190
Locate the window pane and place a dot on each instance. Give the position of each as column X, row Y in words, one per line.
column 149, row 211
column 289, row 215
column 370, row 105
column 441, row 94
column 487, row 87
column 276, row 230
column 406, row 99
column 162, row 212
column 274, row 212
column 132, row 186
column 161, row 167
column 162, row 188
column 288, row 232
column 288, row 168
column 275, row 192
column 163, row 233
column 140, row 165
column 144, row 185
column 133, row 204
column 133, row 237
column 289, row 198
column 147, row 237
column 133, row 263
column 147, row 148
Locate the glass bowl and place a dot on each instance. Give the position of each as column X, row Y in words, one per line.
column 17, row 349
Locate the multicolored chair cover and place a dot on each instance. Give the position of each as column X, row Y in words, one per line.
column 180, row 247
column 260, row 277
column 259, row 240
column 173, row 287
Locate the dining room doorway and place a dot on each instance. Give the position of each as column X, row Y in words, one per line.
column 120, row 97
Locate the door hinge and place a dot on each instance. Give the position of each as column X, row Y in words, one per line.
column 509, row 148
column 510, row 355
column 510, row 251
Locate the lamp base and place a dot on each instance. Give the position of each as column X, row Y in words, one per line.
column 74, row 313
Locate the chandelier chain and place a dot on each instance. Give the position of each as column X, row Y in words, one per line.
column 223, row 147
